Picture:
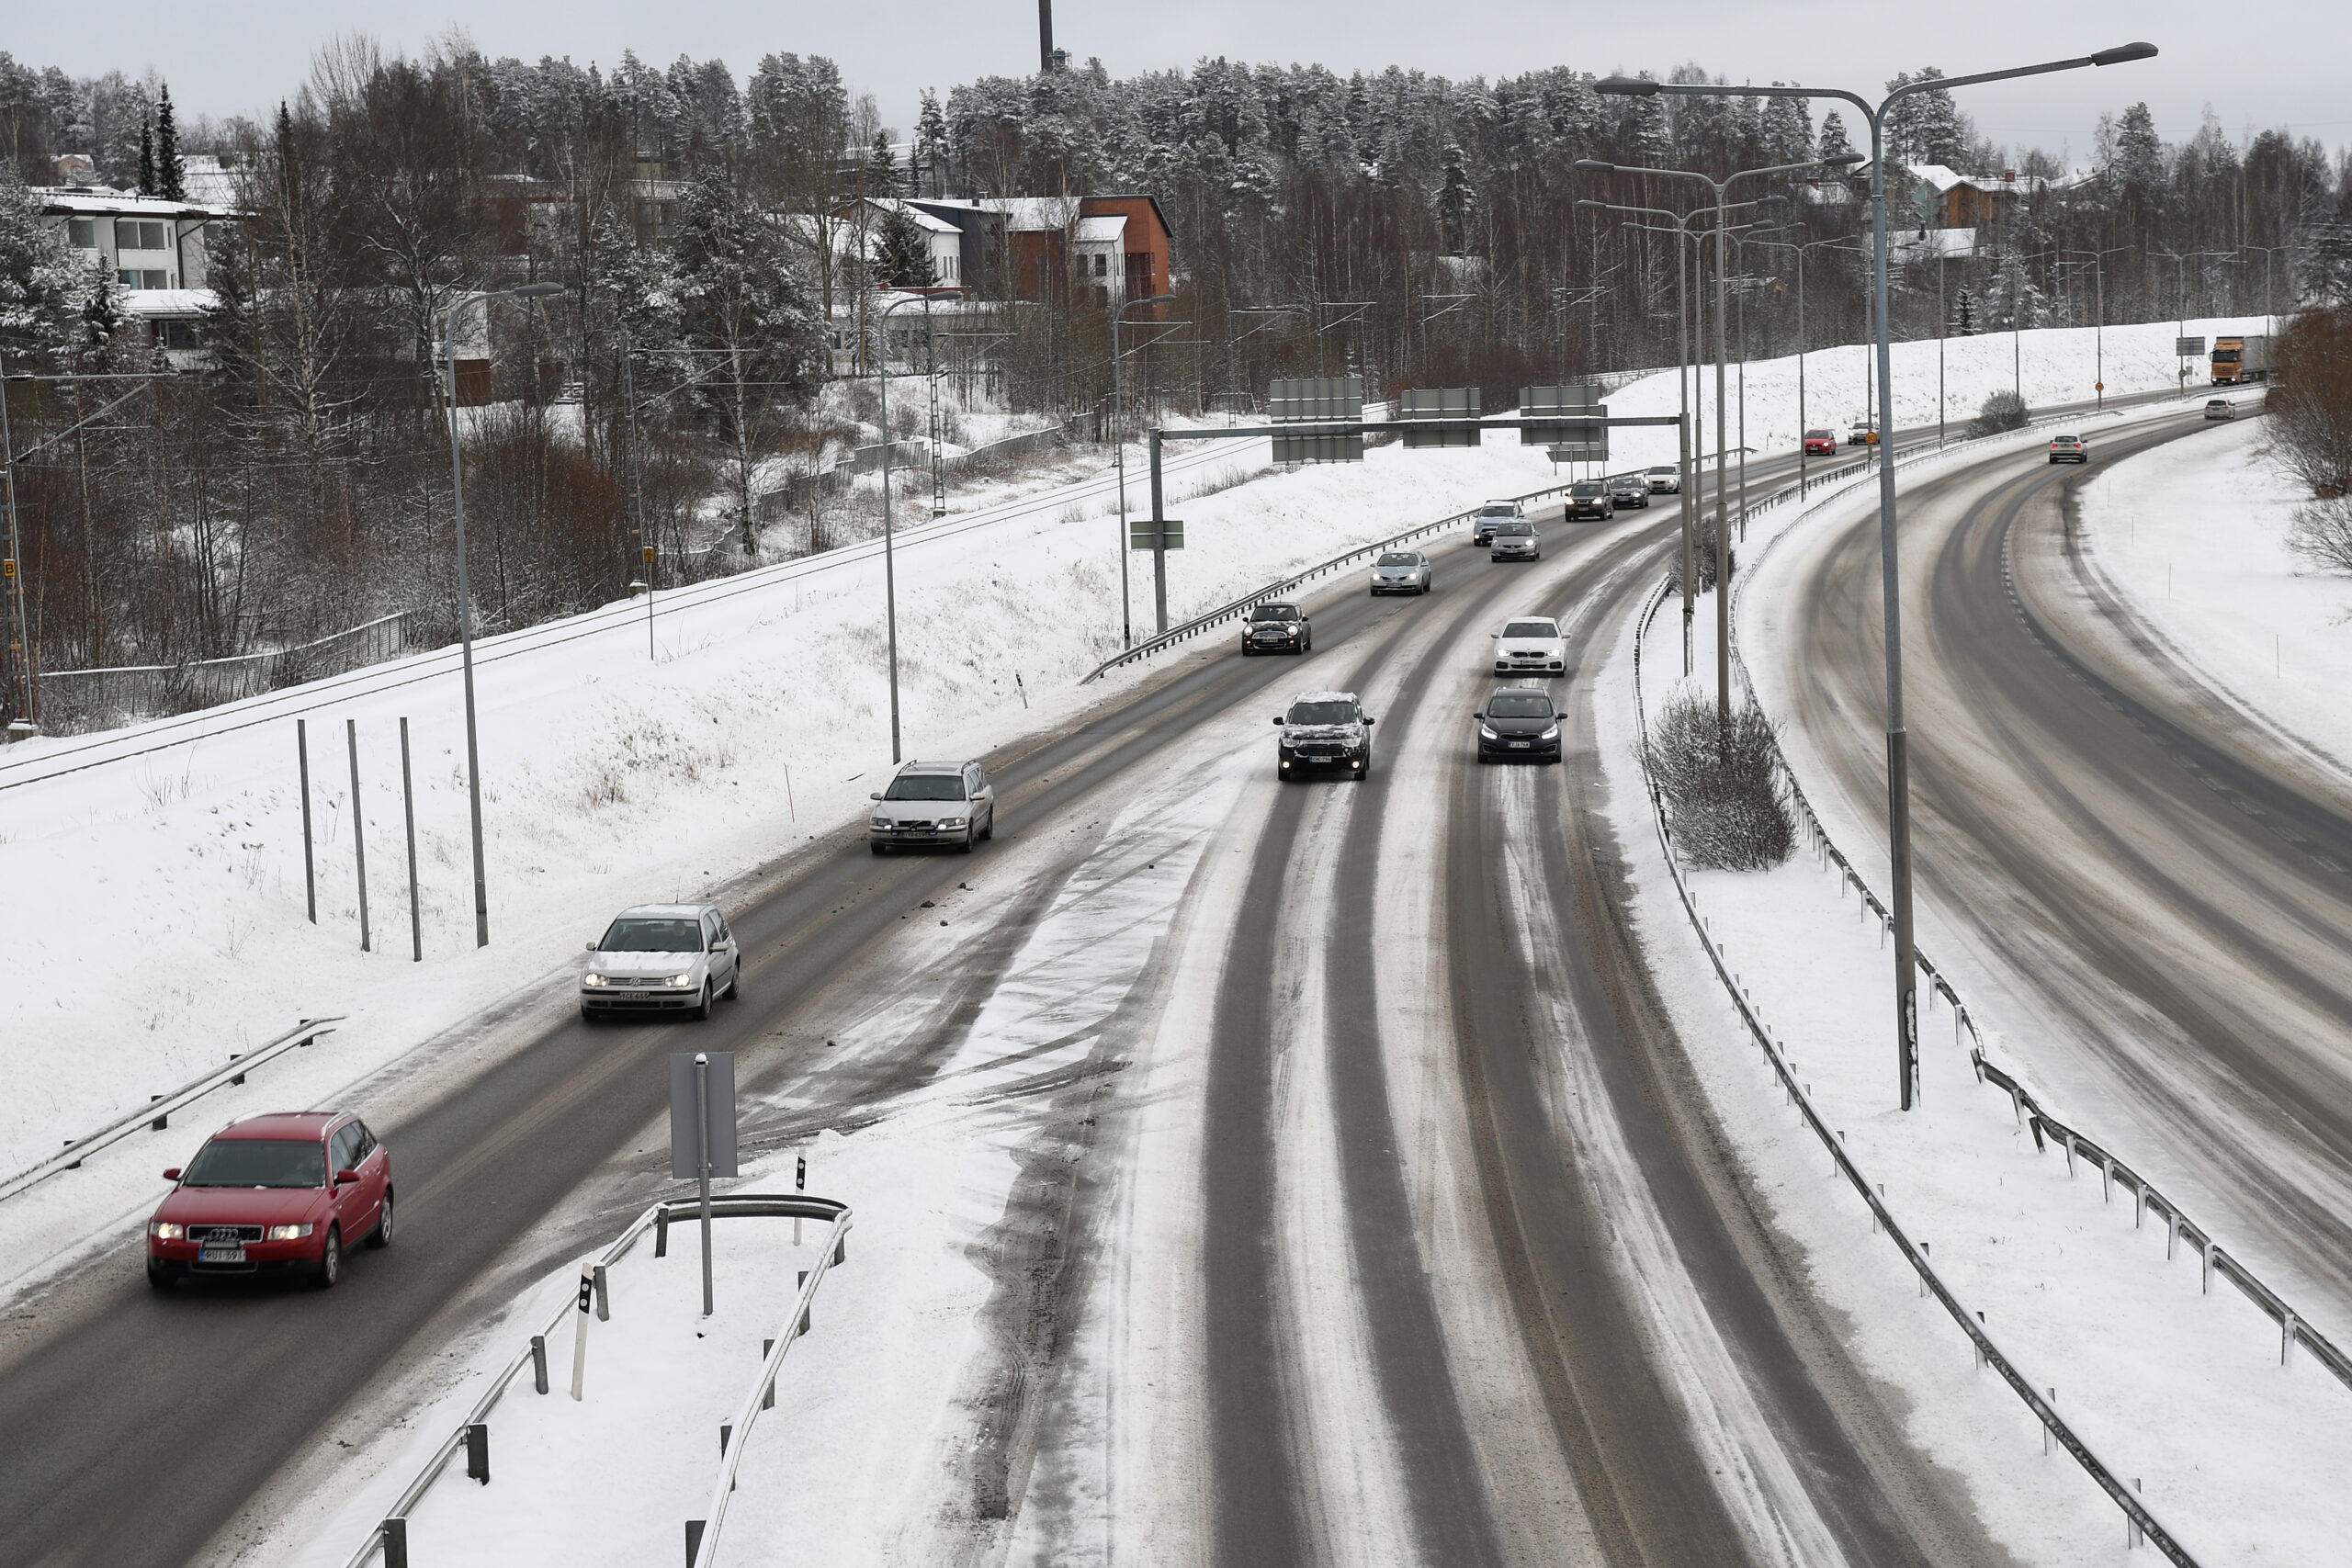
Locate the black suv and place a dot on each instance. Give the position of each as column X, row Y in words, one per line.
column 1276, row 626
column 1325, row 729
column 1519, row 722
column 1590, row 499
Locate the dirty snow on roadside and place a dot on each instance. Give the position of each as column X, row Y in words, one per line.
column 2179, row 1390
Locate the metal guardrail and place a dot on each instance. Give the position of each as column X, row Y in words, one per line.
column 2294, row 1329
column 158, row 1112
column 141, row 689
column 390, row 1535
column 2139, row 1517
column 1225, row 612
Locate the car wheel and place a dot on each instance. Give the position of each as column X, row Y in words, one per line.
column 734, row 991
column 160, row 1275
column 587, row 1014
column 971, row 836
column 700, row 1012
column 989, row 832
column 876, row 848
column 330, row 1265
column 381, row 1236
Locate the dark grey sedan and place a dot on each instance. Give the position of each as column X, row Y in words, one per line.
column 1519, row 724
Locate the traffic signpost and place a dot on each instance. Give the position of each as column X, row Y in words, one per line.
column 702, row 1132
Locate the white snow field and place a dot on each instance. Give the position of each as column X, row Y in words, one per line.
column 2193, row 536
column 2181, row 1391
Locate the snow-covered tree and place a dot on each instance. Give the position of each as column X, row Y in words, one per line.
column 930, row 149
column 1926, row 127
column 1964, row 314
column 39, row 284
column 902, row 252
column 171, row 169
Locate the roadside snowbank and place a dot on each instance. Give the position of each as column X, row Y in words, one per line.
column 2180, row 1392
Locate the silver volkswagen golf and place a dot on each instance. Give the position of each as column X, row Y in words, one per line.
column 660, row 958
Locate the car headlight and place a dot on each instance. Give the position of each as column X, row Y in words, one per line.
column 287, row 1233
column 882, row 822
column 686, row 979
column 165, row 1230
column 594, row 980
column 1487, row 732
column 1551, row 734
column 949, row 822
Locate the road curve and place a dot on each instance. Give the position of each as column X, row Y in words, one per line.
column 1507, row 1168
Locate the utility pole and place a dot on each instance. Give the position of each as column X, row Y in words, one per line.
column 26, row 721
column 1044, row 38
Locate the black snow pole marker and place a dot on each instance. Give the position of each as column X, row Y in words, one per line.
column 310, row 872
column 359, row 837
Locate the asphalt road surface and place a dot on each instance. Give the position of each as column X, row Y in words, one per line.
column 2161, row 884
column 1459, row 1184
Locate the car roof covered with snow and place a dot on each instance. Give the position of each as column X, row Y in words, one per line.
column 279, row 1124
column 663, row 911
column 1323, row 696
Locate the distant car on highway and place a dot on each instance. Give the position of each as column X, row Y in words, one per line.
column 657, row 958
column 1821, row 443
column 1400, row 571
column 2221, row 407
column 1664, row 480
column 1589, row 498
column 1324, row 730
column 1629, row 491
column 1531, row 645
column 1863, row 434
column 275, row 1194
column 1519, row 722
column 1514, row 541
column 1277, row 626
column 1491, row 515
column 2069, row 449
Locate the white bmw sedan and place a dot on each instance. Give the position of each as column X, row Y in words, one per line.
column 1531, row 645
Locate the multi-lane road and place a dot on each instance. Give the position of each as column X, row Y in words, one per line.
column 1469, row 1276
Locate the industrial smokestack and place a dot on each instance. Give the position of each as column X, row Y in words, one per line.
column 1044, row 37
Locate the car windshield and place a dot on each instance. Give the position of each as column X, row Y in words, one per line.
column 1663, row 469
column 1513, row 530
column 1504, row 510
column 1400, row 557
column 1274, row 613
column 1323, row 713
column 1816, row 432
column 258, row 1162
column 653, row 936
column 2065, row 441
column 1586, row 490
column 1520, row 705
column 1530, row 629
column 925, row 787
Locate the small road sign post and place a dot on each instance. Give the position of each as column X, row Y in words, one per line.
column 702, row 1132
column 587, row 1301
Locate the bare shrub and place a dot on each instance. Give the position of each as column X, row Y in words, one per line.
column 1725, row 800
column 2000, row 411
column 2322, row 534
column 1704, row 547
column 2310, row 401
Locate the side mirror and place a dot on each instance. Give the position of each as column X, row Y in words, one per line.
column 173, row 1174
column 875, row 795
column 345, row 1177
column 591, row 947
column 1278, row 718
column 1481, row 713
column 1369, row 719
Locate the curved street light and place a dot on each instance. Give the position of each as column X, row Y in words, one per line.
column 1898, row 755
column 1119, row 453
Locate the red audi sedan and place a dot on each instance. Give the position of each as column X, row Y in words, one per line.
column 281, row 1193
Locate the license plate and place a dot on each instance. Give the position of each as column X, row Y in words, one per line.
column 220, row 1254
column 1520, row 745
column 633, row 996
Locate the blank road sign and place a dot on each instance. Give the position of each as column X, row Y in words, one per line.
column 1140, row 533
column 685, row 1140
column 2188, row 346
column 1439, row 402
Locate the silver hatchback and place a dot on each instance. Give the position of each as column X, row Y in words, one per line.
column 661, row 958
column 1400, row 571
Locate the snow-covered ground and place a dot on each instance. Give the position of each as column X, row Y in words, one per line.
column 2181, row 1391
column 2193, row 534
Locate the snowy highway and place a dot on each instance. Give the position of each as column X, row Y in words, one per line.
column 2155, row 880
column 1375, row 1224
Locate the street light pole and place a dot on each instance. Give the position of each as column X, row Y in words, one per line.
column 1119, row 450
column 465, row 590
column 1721, row 187
column 1898, row 770
column 889, row 557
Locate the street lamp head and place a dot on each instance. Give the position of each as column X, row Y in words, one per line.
column 1587, row 204
column 1595, row 166
column 535, row 290
column 1626, row 86
column 1841, row 160
column 2125, row 52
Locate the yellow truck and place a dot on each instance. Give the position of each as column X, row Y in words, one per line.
column 2240, row 359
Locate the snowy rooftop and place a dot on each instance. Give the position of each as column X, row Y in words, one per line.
column 104, row 200
column 1100, row 231
column 163, row 304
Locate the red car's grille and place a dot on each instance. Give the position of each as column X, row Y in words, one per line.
column 223, row 1233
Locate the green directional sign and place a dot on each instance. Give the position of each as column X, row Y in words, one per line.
column 1140, row 533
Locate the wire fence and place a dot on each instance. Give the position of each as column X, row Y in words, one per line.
column 75, row 701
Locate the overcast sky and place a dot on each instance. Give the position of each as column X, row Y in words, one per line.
column 2258, row 64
